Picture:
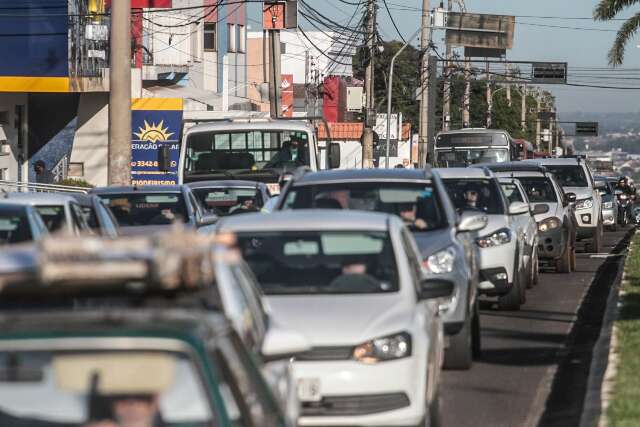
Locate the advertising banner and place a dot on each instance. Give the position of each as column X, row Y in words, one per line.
column 155, row 122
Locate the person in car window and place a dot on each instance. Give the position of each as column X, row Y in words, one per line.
column 246, row 205
column 471, row 196
column 132, row 411
column 408, row 214
column 291, row 151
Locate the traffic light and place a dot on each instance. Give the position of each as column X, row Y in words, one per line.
column 586, row 128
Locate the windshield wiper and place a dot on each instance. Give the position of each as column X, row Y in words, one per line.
column 218, row 171
column 258, row 171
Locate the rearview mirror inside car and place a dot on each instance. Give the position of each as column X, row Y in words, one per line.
column 281, row 344
column 435, row 288
column 540, row 208
column 472, row 221
column 518, row 208
column 164, row 157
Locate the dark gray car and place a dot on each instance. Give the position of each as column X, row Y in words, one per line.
column 444, row 239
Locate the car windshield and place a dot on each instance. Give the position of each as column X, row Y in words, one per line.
column 14, row 226
column 230, row 201
column 475, row 195
column 569, row 176
column 146, row 209
column 416, row 204
column 53, row 217
column 608, row 189
column 512, row 192
column 465, row 157
column 79, row 388
column 244, row 151
column 539, row 190
column 321, row 262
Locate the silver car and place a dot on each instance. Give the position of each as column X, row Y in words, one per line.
column 446, row 241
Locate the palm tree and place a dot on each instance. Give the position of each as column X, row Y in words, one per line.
column 606, row 11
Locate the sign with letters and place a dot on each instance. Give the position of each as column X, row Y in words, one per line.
column 155, row 122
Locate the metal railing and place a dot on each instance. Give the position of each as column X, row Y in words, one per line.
column 60, row 170
column 19, row 186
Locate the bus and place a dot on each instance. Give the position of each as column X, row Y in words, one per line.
column 464, row 147
column 524, row 148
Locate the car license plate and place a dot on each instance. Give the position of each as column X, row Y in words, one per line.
column 309, row 390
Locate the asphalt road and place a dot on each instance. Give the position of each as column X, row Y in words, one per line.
column 514, row 383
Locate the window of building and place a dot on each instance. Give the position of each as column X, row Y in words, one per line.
column 232, row 38
column 242, row 46
column 210, row 37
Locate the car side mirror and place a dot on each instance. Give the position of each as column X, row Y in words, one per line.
column 471, row 221
column 334, row 155
column 518, row 208
column 571, row 197
column 207, row 219
column 164, row 157
column 279, row 344
column 540, row 208
column 435, row 288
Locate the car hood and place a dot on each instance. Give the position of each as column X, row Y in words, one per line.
column 555, row 210
column 580, row 192
column 495, row 223
column 335, row 320
column 433, row 241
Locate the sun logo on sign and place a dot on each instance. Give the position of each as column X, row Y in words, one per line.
column 153, row 132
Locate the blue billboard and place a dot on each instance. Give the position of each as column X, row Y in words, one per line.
column 155, row 122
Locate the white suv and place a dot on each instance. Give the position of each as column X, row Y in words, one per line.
column 576, row 178
column 352, row 283
column 502, row 250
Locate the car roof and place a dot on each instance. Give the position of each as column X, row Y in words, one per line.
column 473, row 130
column 561, row 161
column 449, row 173
column 519, row 174
column 513, row 167
column 37, row 199
column 138, row 189
column 308, row 219
column 151, row 321
column 342, row 175
column 84, row 199
column 9, row 206
column 225, row 184
column 251, row 124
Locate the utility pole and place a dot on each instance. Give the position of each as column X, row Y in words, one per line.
column 274, row 72
column 489, row 98
column 466, row 101
column 446, row 106
column 370, row 113
column 425, row 42
column 508, row 87
column 523, row 109
column 538, row 123
column 119, row 150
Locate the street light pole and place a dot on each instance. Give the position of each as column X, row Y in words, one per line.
column 390, row 90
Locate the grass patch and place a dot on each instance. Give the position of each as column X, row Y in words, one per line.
column 624, row 404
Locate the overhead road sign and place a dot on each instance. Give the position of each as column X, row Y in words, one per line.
column 549, row 73
column 480, row 30
column 587, row 129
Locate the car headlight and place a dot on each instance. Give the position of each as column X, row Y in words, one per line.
column 549, row 224
column 496, row 238
column 391, row 347
column 440, row 262
column 584, row 203
column 607, row 205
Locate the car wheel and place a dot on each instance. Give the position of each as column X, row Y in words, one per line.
column 476, row 334
column 597, row 239
column 435, row 413
column 563, row 265
column 459, row 354
column 511, row 300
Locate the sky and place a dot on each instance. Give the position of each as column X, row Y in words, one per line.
column 578, row 47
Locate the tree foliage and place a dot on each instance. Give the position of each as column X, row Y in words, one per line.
column 607, row 10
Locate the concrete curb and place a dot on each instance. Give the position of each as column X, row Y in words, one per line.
column 592, row 408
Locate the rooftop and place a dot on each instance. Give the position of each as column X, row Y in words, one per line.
column 342, row 175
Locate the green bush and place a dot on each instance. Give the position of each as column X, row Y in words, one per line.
column 75, row 182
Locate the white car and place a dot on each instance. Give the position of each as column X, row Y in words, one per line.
column 352, row 283
column 576, row 178
column 526, row 225
column 502, row 251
